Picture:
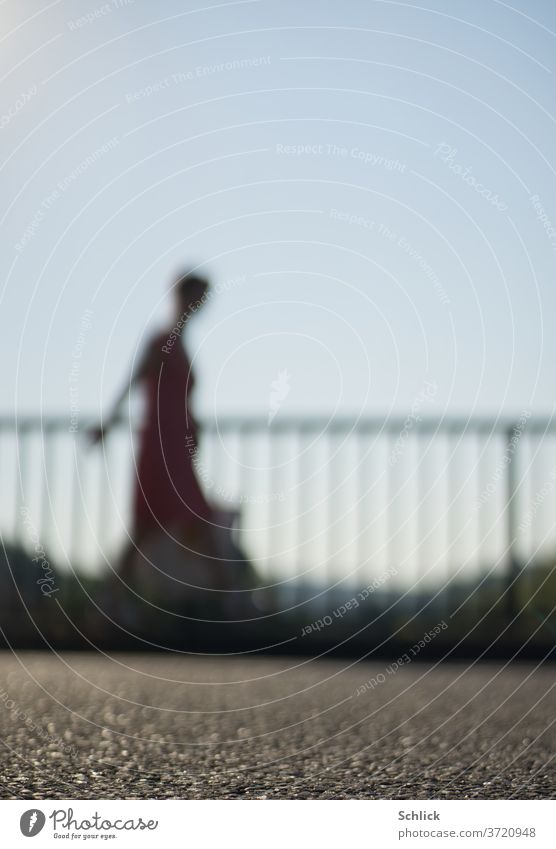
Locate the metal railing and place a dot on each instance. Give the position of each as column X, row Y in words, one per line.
column 325, row 504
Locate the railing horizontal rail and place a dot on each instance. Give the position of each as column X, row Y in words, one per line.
column 345, row 424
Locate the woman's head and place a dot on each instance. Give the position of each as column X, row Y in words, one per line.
column 191, row 291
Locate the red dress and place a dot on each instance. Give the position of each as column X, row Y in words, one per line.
column 167, row 492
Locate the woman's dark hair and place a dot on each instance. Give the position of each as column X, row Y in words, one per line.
column 192, row 286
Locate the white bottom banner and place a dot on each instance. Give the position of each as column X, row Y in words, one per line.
column 269, row 824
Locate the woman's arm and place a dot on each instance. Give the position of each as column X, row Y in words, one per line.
column 148, row 362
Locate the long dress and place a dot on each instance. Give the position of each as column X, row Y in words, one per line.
column 167, row 492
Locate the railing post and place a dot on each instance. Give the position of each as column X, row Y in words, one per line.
column 512, row 575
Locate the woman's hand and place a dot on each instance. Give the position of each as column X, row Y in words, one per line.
column 97, row 434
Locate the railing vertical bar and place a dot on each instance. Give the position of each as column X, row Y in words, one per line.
column 511, row 530
column 419, row 511
column 388, row 490
column 244, row 477
column 329, row 536
column 361, row 524
column 105, row 507
column 482, row 508
column 531, row 484
column 48, row 472
column 22, row 474
column 449, row 586
column 269, row 508
column 300, row 508
column 77, row 526
column 276, row 515
column 476, row 529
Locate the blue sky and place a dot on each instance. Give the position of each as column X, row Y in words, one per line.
column 369, row 184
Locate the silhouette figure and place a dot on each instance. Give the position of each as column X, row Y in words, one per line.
column 168, row 499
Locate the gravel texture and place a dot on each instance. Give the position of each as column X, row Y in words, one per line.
column 170, row 726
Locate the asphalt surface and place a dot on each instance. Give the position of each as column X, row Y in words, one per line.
column 168, row 726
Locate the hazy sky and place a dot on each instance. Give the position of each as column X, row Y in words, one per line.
column 369, row 184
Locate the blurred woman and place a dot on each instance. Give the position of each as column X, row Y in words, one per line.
column 167, row 498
